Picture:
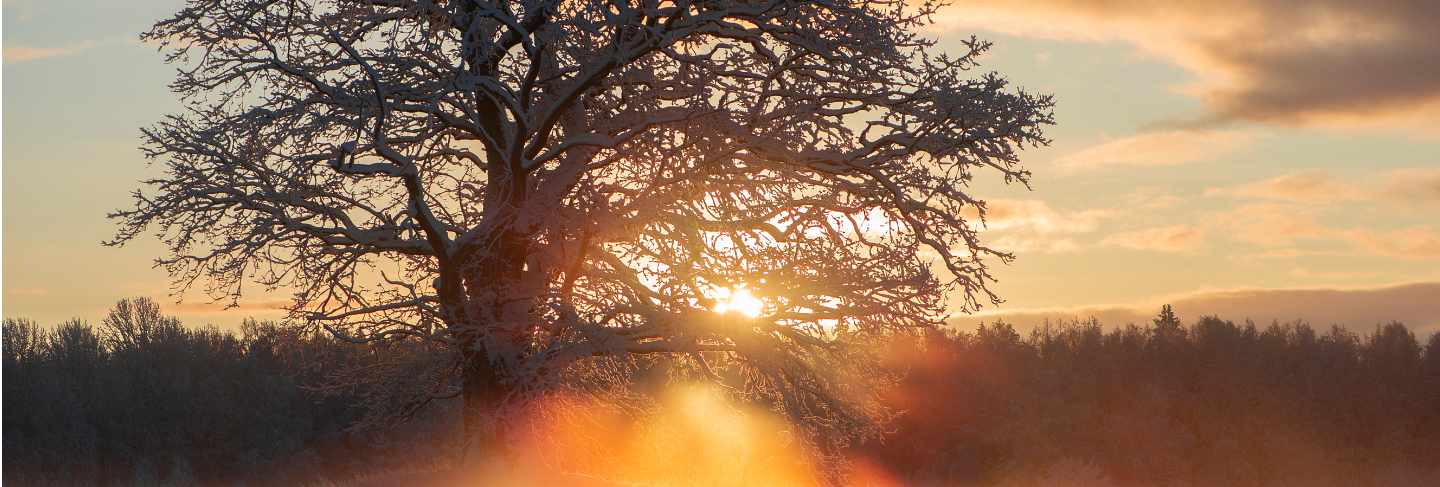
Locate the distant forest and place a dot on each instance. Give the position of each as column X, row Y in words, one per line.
column 143, row 400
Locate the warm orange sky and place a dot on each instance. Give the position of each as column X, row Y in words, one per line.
column 1254, row 159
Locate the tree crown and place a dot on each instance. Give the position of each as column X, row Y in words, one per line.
column 560, row 183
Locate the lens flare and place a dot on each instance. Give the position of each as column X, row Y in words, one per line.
column 695, row 435
column 739, row 300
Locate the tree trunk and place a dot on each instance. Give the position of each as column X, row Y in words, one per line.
column 485, row 384
column 483, row 389
column 490, row 285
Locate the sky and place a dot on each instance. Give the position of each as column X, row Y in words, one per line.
column 1264, row 160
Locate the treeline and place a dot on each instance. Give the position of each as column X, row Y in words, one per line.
column 1213, row 403
column 143, row 400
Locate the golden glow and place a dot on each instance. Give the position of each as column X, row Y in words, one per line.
column 738, row 301
column 697, row 435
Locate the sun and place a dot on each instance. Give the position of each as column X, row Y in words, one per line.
column 740, row 301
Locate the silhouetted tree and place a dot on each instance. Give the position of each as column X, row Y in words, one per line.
column 1167, row 320
column 1226, row 404
column 148, row 401
column 548, row 190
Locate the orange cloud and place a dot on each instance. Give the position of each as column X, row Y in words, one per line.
column 1273, row 61
column 23, row 53
column 1285, row 253
column 1418, row 242
column 1281, row 226
column 1037, row 216
column 1413, row 187
column 1297, row 199
column 1164, row 148
column 1034, row 226
column 1269, row 224
column 1306, row 273
column 1173, row 238
column 1305, row 187
column 1407, row 187
column 1151, row 198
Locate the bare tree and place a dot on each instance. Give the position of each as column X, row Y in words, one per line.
column 552, row 190
column 135, row 323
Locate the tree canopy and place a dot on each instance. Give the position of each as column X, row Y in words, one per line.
column 547, row 190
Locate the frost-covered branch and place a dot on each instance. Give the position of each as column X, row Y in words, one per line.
column 551, row 190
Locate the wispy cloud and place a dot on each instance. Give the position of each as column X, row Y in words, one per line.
column 1029, row 225
column 1159, row 148
column 1324, row 275
column 1418, row 187
column 1304, row 187
column 1286, row 253
column 1039, row 217
column 1269, row 224
column 1151, row 198
column 22, row 53
column 1408, row 187
column 1172, row 238
column 1021, row 225
column 1279, row 227
column 1286, row 209
column 1273, row 61
column 1417, row 242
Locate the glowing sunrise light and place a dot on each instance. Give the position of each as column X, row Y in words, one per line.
column 740, row 301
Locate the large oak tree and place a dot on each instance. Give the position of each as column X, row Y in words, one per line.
column 552, row 191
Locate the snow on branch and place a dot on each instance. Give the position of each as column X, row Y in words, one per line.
column 552, row 188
